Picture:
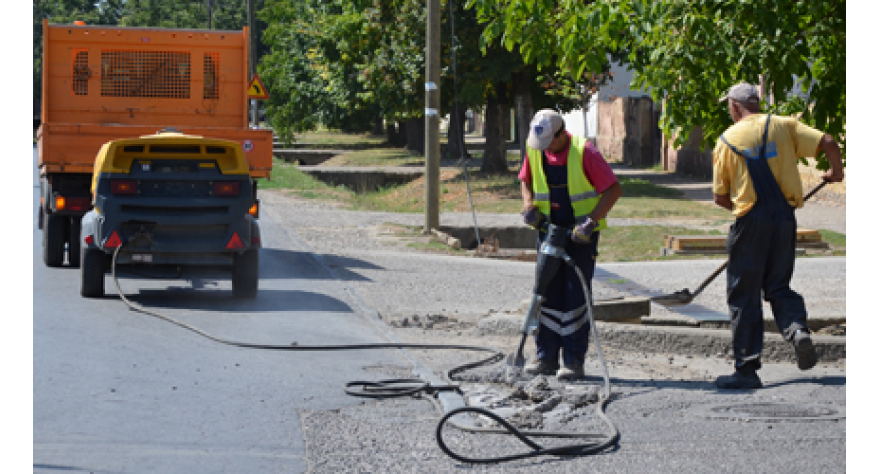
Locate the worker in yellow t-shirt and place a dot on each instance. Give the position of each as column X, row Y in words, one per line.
column 756, row 178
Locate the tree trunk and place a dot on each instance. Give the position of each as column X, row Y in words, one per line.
column 378, row 124
column 455, row 135
column 397, row 134
column 415, row 135
column 505, row 117
column 495, row 155
column 524, row 108
column 390, row 131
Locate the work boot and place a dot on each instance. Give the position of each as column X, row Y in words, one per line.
column 570, row 372
column 739, row 380
column 541, row 367
column 803, row 348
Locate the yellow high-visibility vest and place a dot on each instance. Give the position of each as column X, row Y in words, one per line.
column 584, row 196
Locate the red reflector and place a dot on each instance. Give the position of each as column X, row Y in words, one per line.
column 72, row 203
column 123, row 186
column 78, row 204
column 235, row 242
column 113, row 241
column 226, row 188
column 89, row 240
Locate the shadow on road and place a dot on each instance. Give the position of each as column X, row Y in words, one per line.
column 221, row 300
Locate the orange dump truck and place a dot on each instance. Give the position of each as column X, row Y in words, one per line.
column 103, row 83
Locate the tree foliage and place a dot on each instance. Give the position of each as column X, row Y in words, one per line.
column 298, row 82
column 687, row 53
column 366, row 56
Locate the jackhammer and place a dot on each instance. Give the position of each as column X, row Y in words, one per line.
column 550, row 255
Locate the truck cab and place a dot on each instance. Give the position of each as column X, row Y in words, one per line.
column 171, row 200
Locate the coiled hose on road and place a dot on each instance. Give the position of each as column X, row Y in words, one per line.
column 402, row 387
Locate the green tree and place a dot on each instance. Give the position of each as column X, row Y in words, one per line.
column 225, row 14
column 492, row 79
column 345, row 62
column 687, row 53
column 291, row 69
column 553, row 72
column 798, row 47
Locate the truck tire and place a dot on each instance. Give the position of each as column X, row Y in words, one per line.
column 246, row 274
column 93, row 266
column 73, row 242
column 53, row 240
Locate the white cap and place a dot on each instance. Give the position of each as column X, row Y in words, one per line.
column 543, row 128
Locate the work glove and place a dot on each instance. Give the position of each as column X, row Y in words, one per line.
column 583, row 231
column 532, row 217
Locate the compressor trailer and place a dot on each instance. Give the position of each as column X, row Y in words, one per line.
column 175, row 200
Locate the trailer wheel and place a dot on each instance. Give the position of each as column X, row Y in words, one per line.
column 73, row 242
column 92, row 269
column 246, row 274
column 53, row 240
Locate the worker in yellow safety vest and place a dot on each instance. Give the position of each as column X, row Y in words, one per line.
column 566, row 180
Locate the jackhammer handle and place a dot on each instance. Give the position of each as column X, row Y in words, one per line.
column 544, row 227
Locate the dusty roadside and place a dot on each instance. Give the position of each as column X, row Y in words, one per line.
column 433, row 298
column 429, row 297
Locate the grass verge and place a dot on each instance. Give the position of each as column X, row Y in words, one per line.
column 494, row 193
column 662, row 207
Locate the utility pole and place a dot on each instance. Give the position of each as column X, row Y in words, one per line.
column 210, row 12
column 252, row 59
column 432, row 118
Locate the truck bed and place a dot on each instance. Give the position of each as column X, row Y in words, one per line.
column 74, row 146
column 102, row 83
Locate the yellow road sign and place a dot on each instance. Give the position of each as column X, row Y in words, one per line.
column 256, row 89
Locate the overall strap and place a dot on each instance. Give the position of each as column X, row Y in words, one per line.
column 763, row 141
column 766, row 187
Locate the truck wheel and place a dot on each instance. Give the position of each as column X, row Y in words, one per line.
column 246, row 274
column 92, row 269
column 73, row 244
column 53, row 240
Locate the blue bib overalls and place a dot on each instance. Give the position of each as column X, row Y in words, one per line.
column 564, row 323
column 761, row 248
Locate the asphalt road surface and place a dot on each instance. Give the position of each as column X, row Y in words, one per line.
column 118, row 391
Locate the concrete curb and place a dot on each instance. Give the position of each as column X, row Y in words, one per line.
column 680, row 340
column 709, row 342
